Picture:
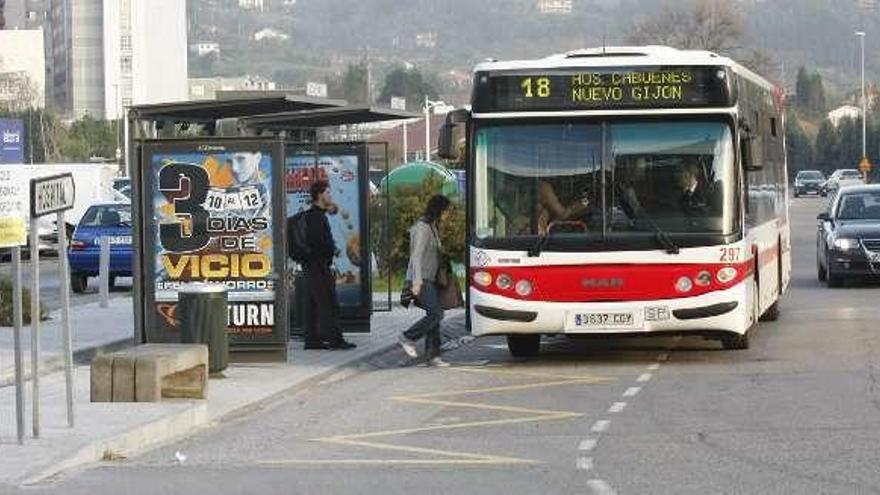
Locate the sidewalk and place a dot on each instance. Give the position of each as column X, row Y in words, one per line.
column 94, row 328
column 108, row 430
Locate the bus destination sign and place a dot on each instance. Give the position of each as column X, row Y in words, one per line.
column 604, row 88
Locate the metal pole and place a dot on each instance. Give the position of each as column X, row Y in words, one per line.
column 427, row 131
column 65, row 315
column 864, row 102
column 17, row 319
column 35, row 323
column 104, row 271
column 405, row 144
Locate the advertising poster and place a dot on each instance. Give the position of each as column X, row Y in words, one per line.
column 213, row 222
column 11, row 141
column 340, row 168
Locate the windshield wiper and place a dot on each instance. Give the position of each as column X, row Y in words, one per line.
column 539, row 246
column 662, row 237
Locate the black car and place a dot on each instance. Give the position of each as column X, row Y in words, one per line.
column 809, row 182
column 848, row 239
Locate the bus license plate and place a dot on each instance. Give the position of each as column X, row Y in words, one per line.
column 604, row 320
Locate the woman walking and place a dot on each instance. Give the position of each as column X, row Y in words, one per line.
column 424, row 262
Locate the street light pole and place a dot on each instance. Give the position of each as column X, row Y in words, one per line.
column 861, row 35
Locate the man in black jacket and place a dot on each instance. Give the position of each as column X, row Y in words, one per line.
column 322, row 329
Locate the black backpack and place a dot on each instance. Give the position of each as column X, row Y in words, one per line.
column 297, row 237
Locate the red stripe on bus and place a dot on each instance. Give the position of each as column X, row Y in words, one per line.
column 610, row 282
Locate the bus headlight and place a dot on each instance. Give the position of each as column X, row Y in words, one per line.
column 523, row 288
column 845, row 244
column 704, row 278
column 684, row 284
column 504, row 282
column 726, row 274
column 483, row 279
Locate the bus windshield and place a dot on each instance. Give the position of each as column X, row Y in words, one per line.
column 604, row 181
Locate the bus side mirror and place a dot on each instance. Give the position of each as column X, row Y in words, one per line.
column 446, row 142
column 750, row 147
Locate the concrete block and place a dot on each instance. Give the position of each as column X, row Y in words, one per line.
column 171, row 370
column 101, row 378
column 123, row 376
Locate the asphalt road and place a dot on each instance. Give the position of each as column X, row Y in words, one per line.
column 50, row 284
column 799, row 412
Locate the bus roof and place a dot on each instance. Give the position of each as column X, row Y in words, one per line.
column 625, row 56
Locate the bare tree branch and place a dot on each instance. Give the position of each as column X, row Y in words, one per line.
column 715, row 25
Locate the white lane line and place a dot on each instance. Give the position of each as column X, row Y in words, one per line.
column 600, row 426
column 585, row 463
column 663, row 357
column 644, row 377
column 654, row 367
column 587, row 444
column 632, row 391
column 617, row 407
column 600, row 487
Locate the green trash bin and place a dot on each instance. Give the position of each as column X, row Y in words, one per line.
column 202, row 309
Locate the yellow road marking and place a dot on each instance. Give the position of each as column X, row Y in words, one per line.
column 443, row 399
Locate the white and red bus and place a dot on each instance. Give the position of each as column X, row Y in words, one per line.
column 637, row 190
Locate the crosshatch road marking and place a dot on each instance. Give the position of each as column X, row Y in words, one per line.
column 452, row 399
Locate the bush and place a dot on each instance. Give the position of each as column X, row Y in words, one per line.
column 6, row 304
column 406, row 206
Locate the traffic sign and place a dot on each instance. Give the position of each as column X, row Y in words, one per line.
column 13, row 198
column 52, row 194
column 864, row 165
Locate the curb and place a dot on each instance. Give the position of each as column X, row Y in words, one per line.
column 126, row 444
column 174, row 427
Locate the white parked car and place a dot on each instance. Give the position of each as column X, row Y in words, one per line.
column 843, row 177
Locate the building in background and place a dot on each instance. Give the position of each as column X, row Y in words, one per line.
column 110, row 54
column 560, row 7
column 145, row 53
column 844, row 112
column 205, row 88
column 22, row 69
column 205, row 48
column 24, row 14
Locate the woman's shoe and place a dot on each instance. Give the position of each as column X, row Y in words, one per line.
column 408, row 346
column 438, row 363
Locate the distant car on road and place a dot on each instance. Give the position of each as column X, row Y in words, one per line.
column 808, row 182
column 842, row 177
column 111, row 220
column 848, row 238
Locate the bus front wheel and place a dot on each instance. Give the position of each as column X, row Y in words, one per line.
column 735, row 341
column 524, row 345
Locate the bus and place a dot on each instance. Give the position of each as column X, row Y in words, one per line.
column 622, row 191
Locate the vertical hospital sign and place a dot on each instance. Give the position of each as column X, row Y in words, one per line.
column 214, row 221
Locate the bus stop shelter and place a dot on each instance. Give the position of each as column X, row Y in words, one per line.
column 213, row 185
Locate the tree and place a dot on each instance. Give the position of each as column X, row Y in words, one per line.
column 827, row 146
column 354, row 84
column 89, row 138
column 797, row 144
column 715, row 25
column 407, row 83
column 810, row 91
